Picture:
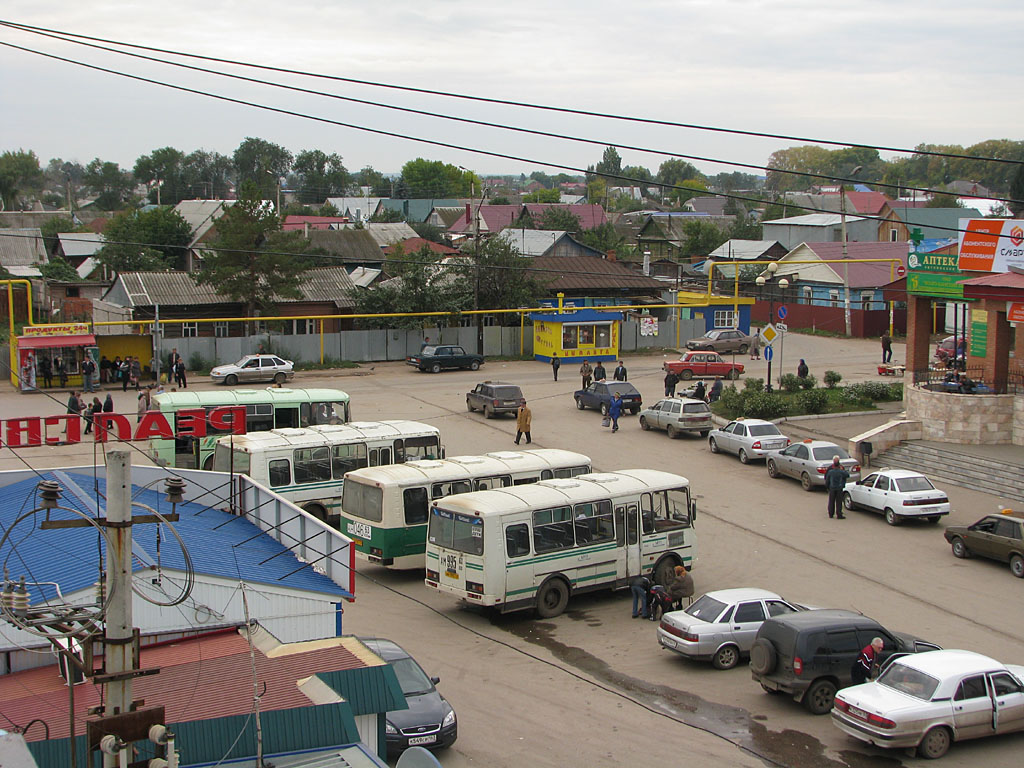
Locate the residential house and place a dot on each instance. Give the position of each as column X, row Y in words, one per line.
column 492, row 219
column 22, row 253
column 743, row 250
column 385, row 234
column 356, row 209
column 79, row 249
column 201, row 216
column 590, row 215
column 443, row 217
column 934, row 223
column 590, row 281
column 712, row 206
column 416, row 244
column 663, row 234
column 295, row 223
column 818, row 228
column 572, row 199
column 546, row 242
column 416, row 210
column 348, row 245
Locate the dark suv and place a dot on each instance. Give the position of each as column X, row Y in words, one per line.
column 809, row 654
column 494, row 397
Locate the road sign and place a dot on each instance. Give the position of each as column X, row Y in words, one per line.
column 769, row 334
column 901, row 271
column 768, row 353
column 781, row 327
column 783, row 312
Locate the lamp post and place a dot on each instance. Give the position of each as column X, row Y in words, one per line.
column 846, row 267
column 783, row 283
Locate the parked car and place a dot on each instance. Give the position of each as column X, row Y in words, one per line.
column 898, row 494
column 677, row 415
column 748, row 439
column 703, row 364
column 722, row 340
column 599, row 395
column 440, row 357
column 809, row 461
column 809, row 654
column 254, row 368
column 946, row 348
column 494, row 397
column 928, row 701
column 430, row 720
column 999, row 537
column 720, row 626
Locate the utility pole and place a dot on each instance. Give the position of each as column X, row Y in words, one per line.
column 846, row 266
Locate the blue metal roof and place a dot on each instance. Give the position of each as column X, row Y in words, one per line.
column 576, row 315
column 219, row 543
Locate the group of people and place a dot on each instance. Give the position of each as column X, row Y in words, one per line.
column 47, row 369
column 646, row 594
column 127, row 371
column 78, row 407
column 589, row 374
column 176, row 368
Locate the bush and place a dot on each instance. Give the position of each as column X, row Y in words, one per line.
column 763, row 405
column 808, row 382
column 832, row 378
column 731, row 399
column 790, row 382
column 871, row 391
column 812, row 401
column 896, row 391
column 196, row 362
column 757, row 385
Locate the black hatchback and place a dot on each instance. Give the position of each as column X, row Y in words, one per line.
column 430, row 720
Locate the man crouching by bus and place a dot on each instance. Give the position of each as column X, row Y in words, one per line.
column 640, row 586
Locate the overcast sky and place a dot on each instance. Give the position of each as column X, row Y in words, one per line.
column 879, row 73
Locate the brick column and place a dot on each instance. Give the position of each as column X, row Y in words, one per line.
column 919, row 329
column 997, row 358
column 1019, row 345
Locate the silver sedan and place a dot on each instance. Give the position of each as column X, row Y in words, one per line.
column 748, row 439
column 809, row 461
column 929, row 700
column 254, row 368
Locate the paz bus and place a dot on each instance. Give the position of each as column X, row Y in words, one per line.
column 270, row 408
column 535, row 546
column 307, row 466
column 384, row 509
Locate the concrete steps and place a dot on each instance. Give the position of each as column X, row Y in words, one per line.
column 998, row 478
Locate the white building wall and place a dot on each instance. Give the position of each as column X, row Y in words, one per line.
column 367, row 727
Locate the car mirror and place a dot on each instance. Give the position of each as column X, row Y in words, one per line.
column 693, row 511
column 435, row 680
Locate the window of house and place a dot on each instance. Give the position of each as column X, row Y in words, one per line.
column 189, row 330
column 893, row 235
column 833, row 298
column 808, row 295
column 725, row 318
column 867, row 298
column 220, row 329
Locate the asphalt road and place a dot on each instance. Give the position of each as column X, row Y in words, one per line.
column 592, row 687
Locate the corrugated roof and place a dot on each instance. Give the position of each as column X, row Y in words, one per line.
column 814, row 220
column 349, row 243
column 861, row 275
column 744, row 250
column 449, row 214
column 532, row 242
column 414, row 244
column 388, row 233
column 296, row 223
column 590, row 214
column 493, row 218
column 363, row 277
column 201, row 214
column 589, row 274
column 416, row 209
column 361, row 208
column 80, row 245
column 22, row 247
column 713, row 206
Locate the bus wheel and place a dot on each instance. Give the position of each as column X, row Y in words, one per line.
column 665, row 571
column 552, row 598
column 317, row 511
column 208, row 464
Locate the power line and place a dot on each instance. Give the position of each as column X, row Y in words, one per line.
column 505, row 102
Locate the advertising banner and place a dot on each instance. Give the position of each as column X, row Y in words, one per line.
column 991, row 245
column 65, row 329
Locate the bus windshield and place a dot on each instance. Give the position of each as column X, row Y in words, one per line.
column 451, row 530
column 362, row 500
column 314, row 414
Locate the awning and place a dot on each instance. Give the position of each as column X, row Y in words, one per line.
column 48, row 342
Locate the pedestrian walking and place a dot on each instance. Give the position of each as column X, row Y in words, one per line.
column 524, row 418
column 716, row 390
column 802, row 371
column 587, row 374
column 124, row 371
column 862, row 668
column 46, row 371
column 108, row 404
column 886, row 348
column 74, row 408
column 555, row 364
column 62, row 371
column 671, row 380
column 136, row 375
column 755, row 346
column 835, row 482
column 88, row 374
column 179, row 373
column 599, row 372
column 615, row 410
column 619, row 374
column 90, row 413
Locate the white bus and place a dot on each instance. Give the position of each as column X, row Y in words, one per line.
column 384, row 509
column 533, row 547
column 307, row 466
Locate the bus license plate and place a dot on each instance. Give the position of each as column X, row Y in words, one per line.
column 360, row 530
column 414, row 740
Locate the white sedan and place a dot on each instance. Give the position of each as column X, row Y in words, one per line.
column 254, row 368
column 929, row 700
column 898, row 494
column 748, row 438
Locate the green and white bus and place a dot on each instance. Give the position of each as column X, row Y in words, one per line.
column 308, row 466
column 384, row 509
column 265, row 409
column 535, row 546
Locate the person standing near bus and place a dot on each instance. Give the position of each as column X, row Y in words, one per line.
column 524, row 419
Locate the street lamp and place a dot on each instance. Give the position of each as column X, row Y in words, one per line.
column 846, row 267
column 783, row 283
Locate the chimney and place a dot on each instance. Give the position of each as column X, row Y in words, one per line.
column 610, row 256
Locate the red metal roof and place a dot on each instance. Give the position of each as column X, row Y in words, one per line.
column 871, row 275
column 1008, row 286
column 48, row 342
column 869, row 203
column 493, row 217
column 590, row 214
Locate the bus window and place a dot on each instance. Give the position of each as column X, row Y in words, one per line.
column 593, row 522
column 525, row 480
column 363, row 501
column 380, row 457
column 259, row 417
column 579, row 471
column 347, row 457
column 647, row 512
column 415, row 506
column 280, row 472
column 286, row 417
column 517, row 540
column 552, row 529
column 440, row 490
column 427, row 447
column 312, row 465
column 631, row 531
column 492, row 483
column 679, row 509
column 620, row 526
column 312, row 414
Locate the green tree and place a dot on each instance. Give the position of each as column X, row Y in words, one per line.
column 19, row 174
column 559, row 218
column 636, row 172
column 320, row 175
column 603, row 237
column 386, row 216
column 504, row 278
column 611, row 163
column 428, row 231
column 542, row 178
column 252, row 261
column 262, row 164
column 432, row 178
column 942, row 200
column 423, row 286
column 543, row 196
column 379, row 185
column 111, row 185
column 209, row 175
column 1016, row 192
column 145, row 240
column 701, row 238
column 499, row 200
column 58, row 269
column 597, row 190
column 163, row 169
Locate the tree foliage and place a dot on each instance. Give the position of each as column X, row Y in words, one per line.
column 262, row 164
column 543, row 196
column 375, row 180
column 111, row 185
column 432, row 178
column 701, row 238
column 320, row 175
column 504, row 279
column 145, row 240
column 603, row 237
column 58, row 269
column 19, row 174
column 1016, row 193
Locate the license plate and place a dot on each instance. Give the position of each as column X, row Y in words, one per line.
column 360, row 530
column 668, row 643
column 859, row 713
column 414, row 740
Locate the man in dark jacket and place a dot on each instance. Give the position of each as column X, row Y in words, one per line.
column 620, row 372
column 599, row 372
column 835, row 482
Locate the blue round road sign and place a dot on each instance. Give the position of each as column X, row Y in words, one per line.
column 768, row 353
column 782, row 313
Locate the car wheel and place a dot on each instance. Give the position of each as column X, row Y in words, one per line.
column 634, row 411
column 820, row 697
column 805, row 482
column 604, row 409
column 488, row 412
column 231, row 379
column 744, row 459
column 743, row 349
column 960, row 548
column 935, row 743
column 475, row 365
column 279, row 377
column 891, row 517
column 579, row 404
column 686, row 374
column 763, row 657
column 713, row 445
column 643, row 424
column 726, row 657
column 552, row 598
column 435, row 368
column 734, row 373
column 848, row 504
column 665, row 571
column 672, row 432
column 1017, row 566
column 773, row 469
column 469, row 406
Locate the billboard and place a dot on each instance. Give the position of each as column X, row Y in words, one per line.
column 991, row 245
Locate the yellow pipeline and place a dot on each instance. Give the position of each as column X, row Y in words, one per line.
column 11, row 344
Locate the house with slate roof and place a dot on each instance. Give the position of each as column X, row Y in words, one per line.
column 547, row 242
column 818, row 228
column 357, row 209
column 934, row 223
column 415, row 210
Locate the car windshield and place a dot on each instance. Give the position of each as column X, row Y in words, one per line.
column 243, row 361
column 760, row 430
column 696, row 408
column 919, row 483
column 909, row 681
column 826, row 452
column 706, row 609
column 508, row 393
column 428, row 351
column 711, row 335
column 411, row 678
column 623, row 389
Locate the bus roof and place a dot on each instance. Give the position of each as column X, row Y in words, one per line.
column 561, row 491
column 172, row 401
column 459, row 467
column 327, row 434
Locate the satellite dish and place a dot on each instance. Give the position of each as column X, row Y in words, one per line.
column 417, row 757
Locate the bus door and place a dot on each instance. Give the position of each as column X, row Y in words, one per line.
column 627, row 533
column 518, row 571
column 380, row 457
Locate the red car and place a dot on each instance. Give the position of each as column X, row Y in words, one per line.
column 698, row 364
